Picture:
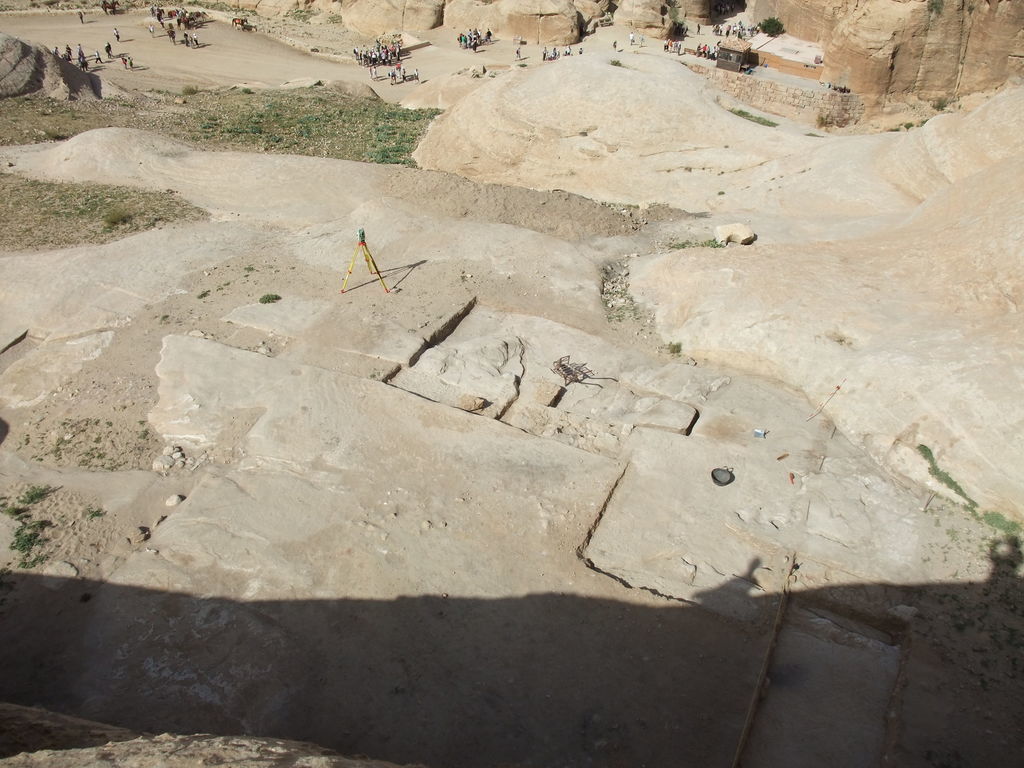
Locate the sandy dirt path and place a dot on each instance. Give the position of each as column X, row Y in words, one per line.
column 230, row 57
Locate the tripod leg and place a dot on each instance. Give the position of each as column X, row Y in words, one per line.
column 372, row 266
column 351, row 264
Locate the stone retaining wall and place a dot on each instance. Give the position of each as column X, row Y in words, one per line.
column 814, row 105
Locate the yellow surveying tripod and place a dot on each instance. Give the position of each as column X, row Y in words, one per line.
column 370, row 263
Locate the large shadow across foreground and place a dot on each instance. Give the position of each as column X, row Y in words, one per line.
column 538, row 680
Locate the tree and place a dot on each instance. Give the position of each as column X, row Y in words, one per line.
column 772, row 27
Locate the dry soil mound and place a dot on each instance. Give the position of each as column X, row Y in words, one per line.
column 26, row 68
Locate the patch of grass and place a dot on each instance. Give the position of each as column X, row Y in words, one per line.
column 93, row 513
column 315, row 122
column 269, row 298
column 43, row 214
column 117, row 216
column 35, row 493
column 1000, row 522
column 189, row 90
column 940, row 104
column 27, row 537
column 753, row 118
column 815, row 135
column 680, row 244
column 943, row 477
column 203, row 294
column 935, row 7
column 615, row 63
column 675, row 348
column 248, row 90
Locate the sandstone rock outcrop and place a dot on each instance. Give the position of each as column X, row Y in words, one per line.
column 591, row 11
column 891, row 51
column 536, row 21
column 647, row 17
column 27, row 68
column 374, row 17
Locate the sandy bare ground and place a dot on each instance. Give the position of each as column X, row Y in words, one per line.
column 229, row 57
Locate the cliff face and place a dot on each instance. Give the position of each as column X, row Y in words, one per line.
column 891, row 50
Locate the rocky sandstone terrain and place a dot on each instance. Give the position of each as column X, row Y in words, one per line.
column 471, row 520
column 926, row 50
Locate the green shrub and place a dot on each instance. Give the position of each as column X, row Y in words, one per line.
column 116, row 216
column 189, row 90
column 940, row 104
column 772, row 27
column 269, row 298
column 943, row 477
column 27, row 537
column 35, row 494
column 754, row 118
column 615, row 63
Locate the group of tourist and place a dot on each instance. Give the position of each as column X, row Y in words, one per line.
column 385, row 52
column 739, row 29
column 398, row 74
column 83, row 59
column 555, row 55
column 473, row 39
column 706, row 52
column 177, row 16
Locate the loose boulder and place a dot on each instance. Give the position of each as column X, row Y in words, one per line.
column 735, row 233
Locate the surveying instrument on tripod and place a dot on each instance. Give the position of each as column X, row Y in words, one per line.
column 371, row 265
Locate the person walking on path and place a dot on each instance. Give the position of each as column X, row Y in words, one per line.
column 81, row 17
column 110, row 51
column 117, row 35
